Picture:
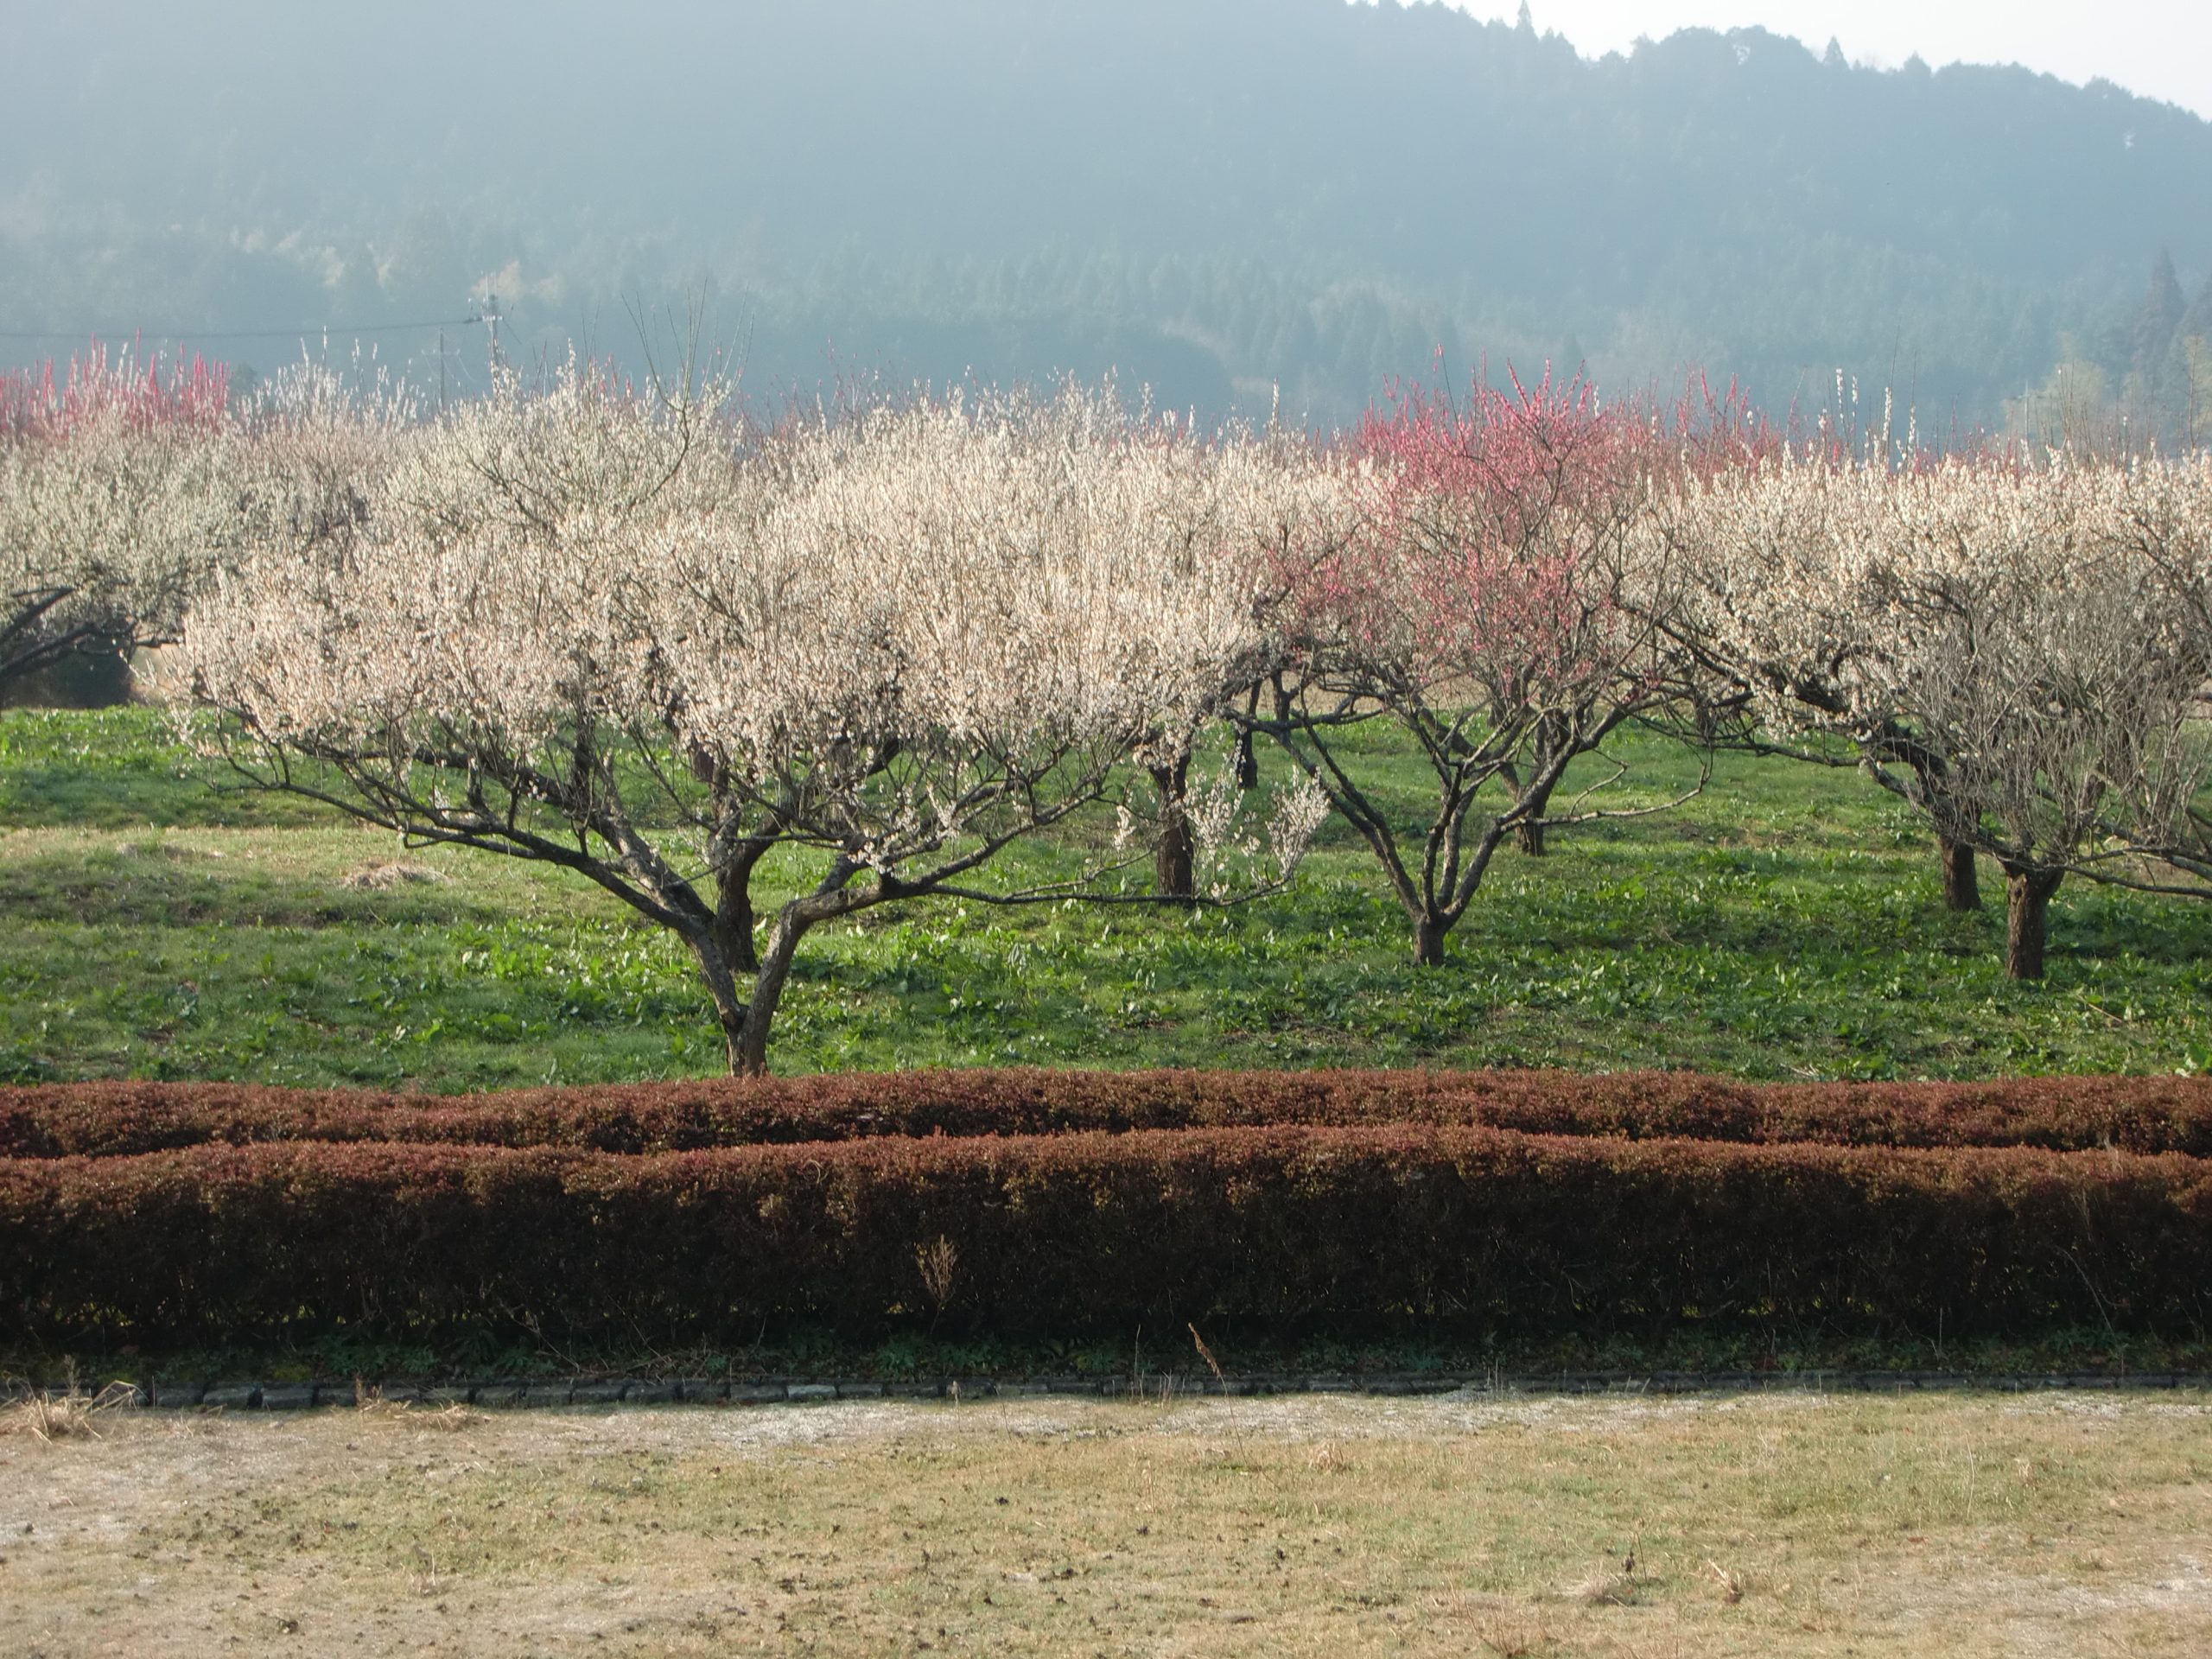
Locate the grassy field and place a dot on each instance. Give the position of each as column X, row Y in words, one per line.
column 1786, row 923
column 1955, row 1526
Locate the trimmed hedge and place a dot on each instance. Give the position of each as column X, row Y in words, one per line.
column 2134, row 1114
column 1472, row 1229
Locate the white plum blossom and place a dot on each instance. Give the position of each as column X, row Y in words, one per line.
column 605, row 630
column 1994, row 642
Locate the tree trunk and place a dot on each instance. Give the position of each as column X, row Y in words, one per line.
column 1529, row 832
column 1429, row 942
column 1248, row 762
column 734, row 922
column 749, row 1052
column 1175, row 874
column 1960, row 890
column 732, row 1013
column 734, row 916
column 2027, row 912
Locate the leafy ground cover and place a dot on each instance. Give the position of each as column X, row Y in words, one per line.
column 1787, row 924
column 1962, row 1526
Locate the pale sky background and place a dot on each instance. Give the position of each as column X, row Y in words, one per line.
column 2160, row 48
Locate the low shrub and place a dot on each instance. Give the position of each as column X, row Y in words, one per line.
column 2135, row 1115
column 1282, row 1230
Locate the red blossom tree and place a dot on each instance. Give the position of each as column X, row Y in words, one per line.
column 1494, row 597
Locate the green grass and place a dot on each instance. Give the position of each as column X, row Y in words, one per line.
column 1787, row 924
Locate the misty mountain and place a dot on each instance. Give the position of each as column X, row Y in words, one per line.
column 1216, row 198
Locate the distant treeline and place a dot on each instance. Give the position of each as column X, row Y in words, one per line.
column 1228, row 201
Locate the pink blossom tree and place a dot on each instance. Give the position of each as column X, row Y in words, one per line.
column 1490, row 592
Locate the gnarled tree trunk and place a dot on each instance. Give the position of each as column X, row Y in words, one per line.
column 2027, row 914
column 1428, row 941
column 1174, row 863
column 1530, row 801
column 732, row 1012
column 749, row 1054
column 1962, row 891
column 733, row 915
column 1248, row 763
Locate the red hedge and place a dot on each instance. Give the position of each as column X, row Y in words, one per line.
column 2136, row 1115
column 1471, row 1229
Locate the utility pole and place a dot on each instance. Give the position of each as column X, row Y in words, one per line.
column 441, row 370
column 491, row 314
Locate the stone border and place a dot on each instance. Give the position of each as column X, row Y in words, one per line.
column 507, row 1393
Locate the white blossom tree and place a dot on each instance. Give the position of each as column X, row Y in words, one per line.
column 113, row 505
column 2154, row 520
column 1979, row 634
column 1236, row 499
column 574, row 627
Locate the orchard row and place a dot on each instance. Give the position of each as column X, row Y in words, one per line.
column 625, row 630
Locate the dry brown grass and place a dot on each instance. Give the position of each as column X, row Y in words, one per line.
column 1730, row 1582
column 446, row 1415
column 70, row 1415
column 1959, row 1526
column 381, row 875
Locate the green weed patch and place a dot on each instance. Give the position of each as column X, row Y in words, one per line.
column 1786, row 924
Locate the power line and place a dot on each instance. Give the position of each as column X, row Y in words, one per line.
column 303, row 333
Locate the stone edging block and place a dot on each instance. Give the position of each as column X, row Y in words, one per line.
column 506, row 1393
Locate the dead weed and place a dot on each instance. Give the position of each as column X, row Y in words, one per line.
column 72, row 1414
column 383, row 874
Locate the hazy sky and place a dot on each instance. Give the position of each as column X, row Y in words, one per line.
column 2161, row 48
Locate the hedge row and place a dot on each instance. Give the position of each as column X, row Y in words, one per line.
column 1285, row 1229
column 2137, row 1115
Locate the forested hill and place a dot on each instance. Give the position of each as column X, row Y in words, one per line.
column 1215, row 196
